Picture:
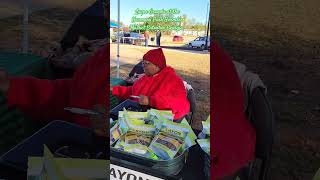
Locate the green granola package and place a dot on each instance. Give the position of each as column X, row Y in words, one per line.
column 146, row 129
column 115, row 133
column 155, row 131
column 190, row 140
column 170, row 139
column 179, row 130
column 137, row 149
column 157, row 117
column 204, row 136
column 128, row 116
column 205, row 145
column 165, row 146
column 137, row 125
column 206, row 126
column 133, row 138
column 164, row 113
column 137, row 115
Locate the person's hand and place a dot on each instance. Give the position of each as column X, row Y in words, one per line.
column 99, row 124
column 144, row 100
column 52, row 52
column 4, row 82
column 111, row 88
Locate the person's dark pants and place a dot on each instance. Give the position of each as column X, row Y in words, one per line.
column 54, row 135
column 158, row 41
column 146, row 42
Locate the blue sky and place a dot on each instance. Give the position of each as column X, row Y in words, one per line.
column 196, row 9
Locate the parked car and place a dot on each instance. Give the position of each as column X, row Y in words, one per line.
column 132, row 38
column 177, row 39
column 200, row 42
column 114, row 36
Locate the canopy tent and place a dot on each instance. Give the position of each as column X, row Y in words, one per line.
column 118, row 42
column 113, row 25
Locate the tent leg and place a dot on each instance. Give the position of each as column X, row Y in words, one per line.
column 118, row 53
column 25, row 27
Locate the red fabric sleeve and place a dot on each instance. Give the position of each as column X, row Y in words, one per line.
column 172, row 101
column 233, row 137
column 123, row 92
column 39, row 98
column 45, row 99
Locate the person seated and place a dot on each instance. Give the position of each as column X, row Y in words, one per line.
column 45, row 100
column 160, row 88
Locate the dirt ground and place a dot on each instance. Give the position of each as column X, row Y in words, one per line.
column 290, row 69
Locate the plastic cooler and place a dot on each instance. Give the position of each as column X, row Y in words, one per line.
column 20, row 64
column 163, row 169
column 166, row 169
column 115, row 82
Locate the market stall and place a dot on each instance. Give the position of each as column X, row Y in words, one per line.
column 188, row 163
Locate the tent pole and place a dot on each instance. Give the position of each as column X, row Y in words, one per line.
column 25, row 27
column 208, row 23
column 118, row 48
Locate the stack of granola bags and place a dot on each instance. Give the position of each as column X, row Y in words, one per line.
column 151, row 134
column 204, row 136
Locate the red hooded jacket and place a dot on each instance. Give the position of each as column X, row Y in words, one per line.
column 233, row 137
column 45, row 99
column 165, row 89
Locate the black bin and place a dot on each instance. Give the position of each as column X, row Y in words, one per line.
column 161, row 168
column 129, row 105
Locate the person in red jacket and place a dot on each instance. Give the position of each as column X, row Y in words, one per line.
column 234, row 138
column 160, row 87
column 45, row 100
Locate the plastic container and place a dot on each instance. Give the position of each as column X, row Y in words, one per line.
column 157, row 167
column 115, row 82
column 129, row 105
column 167, row 168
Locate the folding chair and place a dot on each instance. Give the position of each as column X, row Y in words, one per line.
column 260, row 114
column 192, row 100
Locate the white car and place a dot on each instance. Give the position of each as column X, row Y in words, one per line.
column 200, row 42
